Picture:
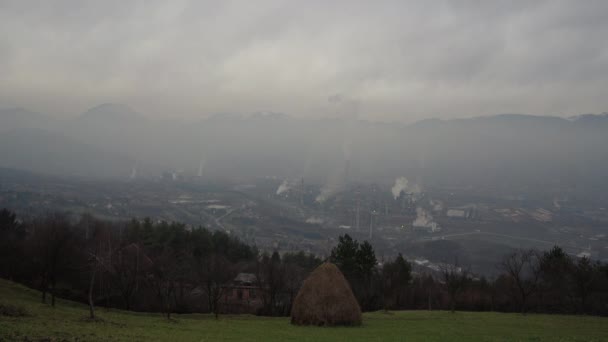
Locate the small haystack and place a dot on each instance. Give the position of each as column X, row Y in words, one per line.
column 326, row 299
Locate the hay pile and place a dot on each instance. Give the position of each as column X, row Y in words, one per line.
column 326, row 299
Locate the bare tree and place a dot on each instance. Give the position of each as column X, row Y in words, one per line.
column 97, row 234
column 12, row 234
column 523, row 267
column 271, row 280
column 215, row 271
column 52, row 245
column 164, row 279
column 455, row 279
column 294, row 277
column 129, row 266
column 584, row 274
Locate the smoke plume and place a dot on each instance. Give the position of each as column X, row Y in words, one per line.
column 314, row 220
column 326, row 192
column 283, row 187
column 400, row 185
column 201, row 166
column 425, row 220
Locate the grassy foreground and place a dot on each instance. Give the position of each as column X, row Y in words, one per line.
column 68, row 321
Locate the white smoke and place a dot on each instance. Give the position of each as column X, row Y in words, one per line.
column 326, row 192
column 346, row 109
column 201, row 166
column 400, row 185
column 425, row 220
column 314, row 220
column 133, row 172
column 414, row 189
column 437, row 205
column 283, row 187
column 556, row 203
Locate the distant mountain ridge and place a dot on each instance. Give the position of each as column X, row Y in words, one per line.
column 12, row 118
column 482, row 151
column 111, row 111
column 120, row 113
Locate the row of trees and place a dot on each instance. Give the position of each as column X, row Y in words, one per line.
column 159, row 266
column 141, row 265
column 550, row 281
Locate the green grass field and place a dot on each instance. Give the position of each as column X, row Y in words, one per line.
column 68, row 321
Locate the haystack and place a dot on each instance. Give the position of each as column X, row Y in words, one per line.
column 326, row 299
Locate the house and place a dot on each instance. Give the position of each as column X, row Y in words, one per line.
column 242, row 295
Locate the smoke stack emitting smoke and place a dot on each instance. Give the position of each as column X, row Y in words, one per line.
column 201, row 165
column 425, row 220
column 348, row 110
column 133, row 173
column 400, row 186
column 326, row 192
column 283, row 187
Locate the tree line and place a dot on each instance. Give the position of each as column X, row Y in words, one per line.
column 529, row 280
column 141, row 265
column 147, row 265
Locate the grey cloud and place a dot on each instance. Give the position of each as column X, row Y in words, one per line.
column 401, row 60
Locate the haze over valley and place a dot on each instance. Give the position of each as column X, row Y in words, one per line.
column 286, row 183
column 332, row 161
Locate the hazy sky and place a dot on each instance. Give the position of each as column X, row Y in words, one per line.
column 383, row 60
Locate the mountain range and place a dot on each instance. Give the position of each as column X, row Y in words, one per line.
column 508, row 150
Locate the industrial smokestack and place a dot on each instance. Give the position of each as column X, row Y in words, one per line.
column 357, row 213
column 371, row 225
column 133, row 172
column 201, row 165
column 399, row 187
column 425, row 220
column 302, row 192
column 283, row 187
column 346, row 171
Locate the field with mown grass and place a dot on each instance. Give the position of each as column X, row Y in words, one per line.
column 24, row 318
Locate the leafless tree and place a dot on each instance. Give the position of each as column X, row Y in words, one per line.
column 455, row 279
column 164, row 279
column 584, row 275
column 270, row 275
column 523, row 267
column 294, row 277
column 97, row 237
column 215, row 271
column 129, row 266
column 52, row 245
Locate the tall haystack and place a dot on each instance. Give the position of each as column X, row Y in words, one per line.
column 326, row 299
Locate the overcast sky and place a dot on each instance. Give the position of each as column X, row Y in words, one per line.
column 379, row 60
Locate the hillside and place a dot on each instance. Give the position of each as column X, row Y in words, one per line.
column 68, row 321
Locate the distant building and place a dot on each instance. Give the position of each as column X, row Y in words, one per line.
column 456, row 213
column 243, row 295
column 171, row 176
column 466, row 212
column 542, row 215
column 584, row 254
